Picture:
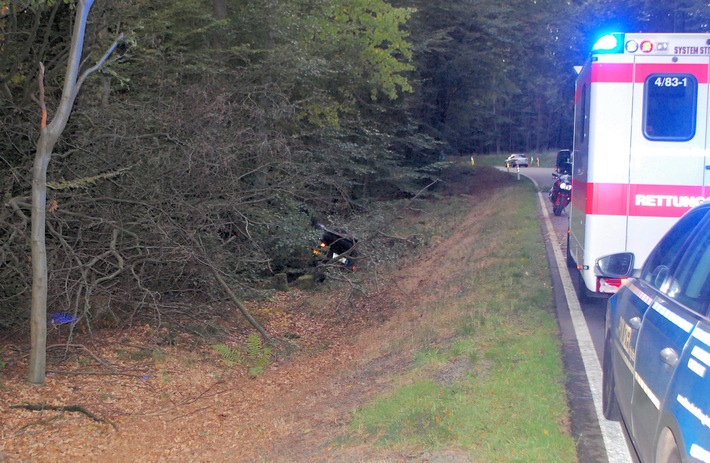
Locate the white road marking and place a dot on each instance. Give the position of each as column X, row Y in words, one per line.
column 612, row 434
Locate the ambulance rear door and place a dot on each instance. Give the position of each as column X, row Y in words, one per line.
column 668, row 169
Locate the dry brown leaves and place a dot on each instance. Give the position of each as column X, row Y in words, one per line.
column 179, row 401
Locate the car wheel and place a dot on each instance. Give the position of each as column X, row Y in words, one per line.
column 610, row 405
column 667, row 451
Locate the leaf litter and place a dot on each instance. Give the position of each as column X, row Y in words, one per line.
column 179, row 402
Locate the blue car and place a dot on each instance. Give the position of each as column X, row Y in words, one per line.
column 656, row 367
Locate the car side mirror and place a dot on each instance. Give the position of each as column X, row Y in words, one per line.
column 619, row 265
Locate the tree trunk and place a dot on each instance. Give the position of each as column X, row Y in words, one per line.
column 220, row 9
column 49, row 134
column 38, row 318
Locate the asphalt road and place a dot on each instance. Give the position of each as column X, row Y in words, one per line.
column 582, row 334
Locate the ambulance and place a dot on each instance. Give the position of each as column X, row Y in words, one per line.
column 641, row 151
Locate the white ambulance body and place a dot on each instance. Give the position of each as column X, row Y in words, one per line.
column 641, row 146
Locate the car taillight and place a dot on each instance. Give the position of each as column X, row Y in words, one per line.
column 610, row 285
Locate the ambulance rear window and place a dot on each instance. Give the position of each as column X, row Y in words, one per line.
column 670, row 107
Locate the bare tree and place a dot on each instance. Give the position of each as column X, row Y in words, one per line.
column 49, row 134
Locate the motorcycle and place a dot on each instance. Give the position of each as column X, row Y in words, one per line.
column 336, row 245
column 561, row 192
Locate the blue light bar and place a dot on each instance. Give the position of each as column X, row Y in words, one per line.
column 610, row 43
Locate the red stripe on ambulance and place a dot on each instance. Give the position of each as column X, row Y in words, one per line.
column 637, row 200
column 624, row 72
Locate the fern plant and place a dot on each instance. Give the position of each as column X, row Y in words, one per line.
column 257, row 358
column 258, row 354
column 230, row 355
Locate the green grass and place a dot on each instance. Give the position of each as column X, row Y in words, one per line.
column 495, row 387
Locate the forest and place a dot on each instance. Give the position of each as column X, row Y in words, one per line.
column 197, row 157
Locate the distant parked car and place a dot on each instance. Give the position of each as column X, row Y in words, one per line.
column 656, row 373
column 515, row 160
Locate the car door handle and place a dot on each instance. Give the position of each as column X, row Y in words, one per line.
column 635, row 323
column 669, row 356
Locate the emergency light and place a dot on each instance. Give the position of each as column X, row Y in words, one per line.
column 617, row 43
column 632, row 46
column 610, row 43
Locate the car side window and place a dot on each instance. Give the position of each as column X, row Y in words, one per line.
column 659, row 265
column 691, row 284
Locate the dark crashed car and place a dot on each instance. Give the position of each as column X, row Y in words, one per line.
column 656, row 367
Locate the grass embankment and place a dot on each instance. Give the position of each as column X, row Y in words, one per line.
column 488, row 378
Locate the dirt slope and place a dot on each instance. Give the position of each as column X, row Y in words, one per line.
column 179, row 403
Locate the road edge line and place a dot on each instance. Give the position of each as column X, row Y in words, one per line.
column 612, row 433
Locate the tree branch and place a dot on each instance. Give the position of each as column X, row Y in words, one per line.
column 64, row 408
column 42, row 104
column 100, row 63
column 102, row 362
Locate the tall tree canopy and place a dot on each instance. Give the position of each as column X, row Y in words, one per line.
column 197, row 148
column 498, row 76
